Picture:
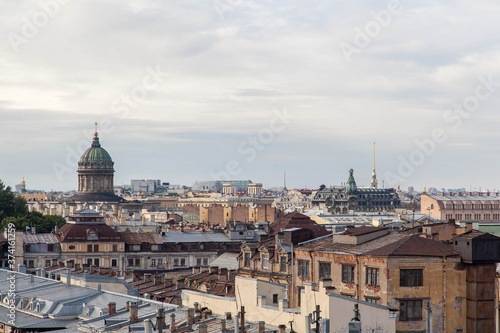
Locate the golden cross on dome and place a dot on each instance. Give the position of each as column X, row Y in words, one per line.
column 95, row 134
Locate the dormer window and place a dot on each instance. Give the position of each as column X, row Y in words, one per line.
column 92, row 234
column 265, row 261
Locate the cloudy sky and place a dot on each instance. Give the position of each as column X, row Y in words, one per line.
column 196, row 90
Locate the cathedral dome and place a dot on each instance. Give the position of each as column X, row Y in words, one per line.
column 95, row 157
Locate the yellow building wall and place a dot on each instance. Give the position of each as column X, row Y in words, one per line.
column 444, row 287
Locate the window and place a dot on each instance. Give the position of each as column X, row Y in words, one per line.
column 198, row 261
column 325, row 270
column 275, row 298
column 131, row 262
column 372, row 275
column 153, row 262
column 50, row 247
column 411, row 277
column 347, row 273
column 48, row 263
column 114, row 263
column 179, row 262
column 283, row 260
column 410, row 310
column 160, row 262
column 72, row 247
column 115, row 248
column 156, row 247
column 135, row 247
column 303, row 268
column 247, row 259
column 265, row 260
column 96, row 247
column 138, row 262
column 373, row 300
column 89, row 247
column 96, row 262
column 205, row 261
column 55, row 262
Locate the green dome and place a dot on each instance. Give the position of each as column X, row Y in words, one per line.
column 95, row 157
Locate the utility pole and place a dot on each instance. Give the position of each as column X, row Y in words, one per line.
column 242, row 319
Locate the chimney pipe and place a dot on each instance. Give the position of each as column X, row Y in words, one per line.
column 133, row 308
column 111, row 308
column 172, row 322
column 190, row 316
column 282, row 328
column 261, row 327
column 202, row 328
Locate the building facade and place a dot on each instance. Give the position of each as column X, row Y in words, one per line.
column 342, row 200
column 479, row 207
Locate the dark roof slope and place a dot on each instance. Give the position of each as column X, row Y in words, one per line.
column 78, row 233
column 298, row 220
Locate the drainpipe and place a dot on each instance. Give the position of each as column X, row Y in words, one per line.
column 444, row 294
column 428, row 328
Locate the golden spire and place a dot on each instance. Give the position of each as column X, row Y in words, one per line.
column 23, row 182
column 95, row 134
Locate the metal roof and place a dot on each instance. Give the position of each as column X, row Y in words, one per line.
column 194, row 237
column 226, row 260
column 39, row 238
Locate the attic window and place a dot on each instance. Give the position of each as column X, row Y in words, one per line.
column 467, row 243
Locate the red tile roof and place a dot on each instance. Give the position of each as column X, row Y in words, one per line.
column 298, row 220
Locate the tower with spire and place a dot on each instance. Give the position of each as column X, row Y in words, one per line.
column 374, row 182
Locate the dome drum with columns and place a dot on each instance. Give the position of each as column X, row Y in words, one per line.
column 95, row 174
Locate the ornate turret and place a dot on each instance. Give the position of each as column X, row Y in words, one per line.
column 23, row 186
column 351, row 187
column 374, row 182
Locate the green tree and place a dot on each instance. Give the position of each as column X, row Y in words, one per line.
column 10, row 204
column 14, row 209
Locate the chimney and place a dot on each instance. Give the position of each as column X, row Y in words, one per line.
column 42, row 273
column 77, row 267
column 147, row 277
column 127, row 305
column 157, row 279
column 147, row 296
column 223, row 325
column 223, row 274
column 172, row 322
column 202, row 328
column 196, row 307
column 180, row 284
column 190, row 316
column 32, row 278
column 228, row 315
column 168, row 282
column 98, row 287
column 196, row 270
column 68, row 277
column 133, row 308
column 280, row 236
column 148, row 326
column 282, row 328
column 214, row 269
column 261, row 327
column 111, row 308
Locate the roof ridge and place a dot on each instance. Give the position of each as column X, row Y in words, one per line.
column 402, row 243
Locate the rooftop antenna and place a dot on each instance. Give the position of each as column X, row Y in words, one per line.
column 284, row 181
